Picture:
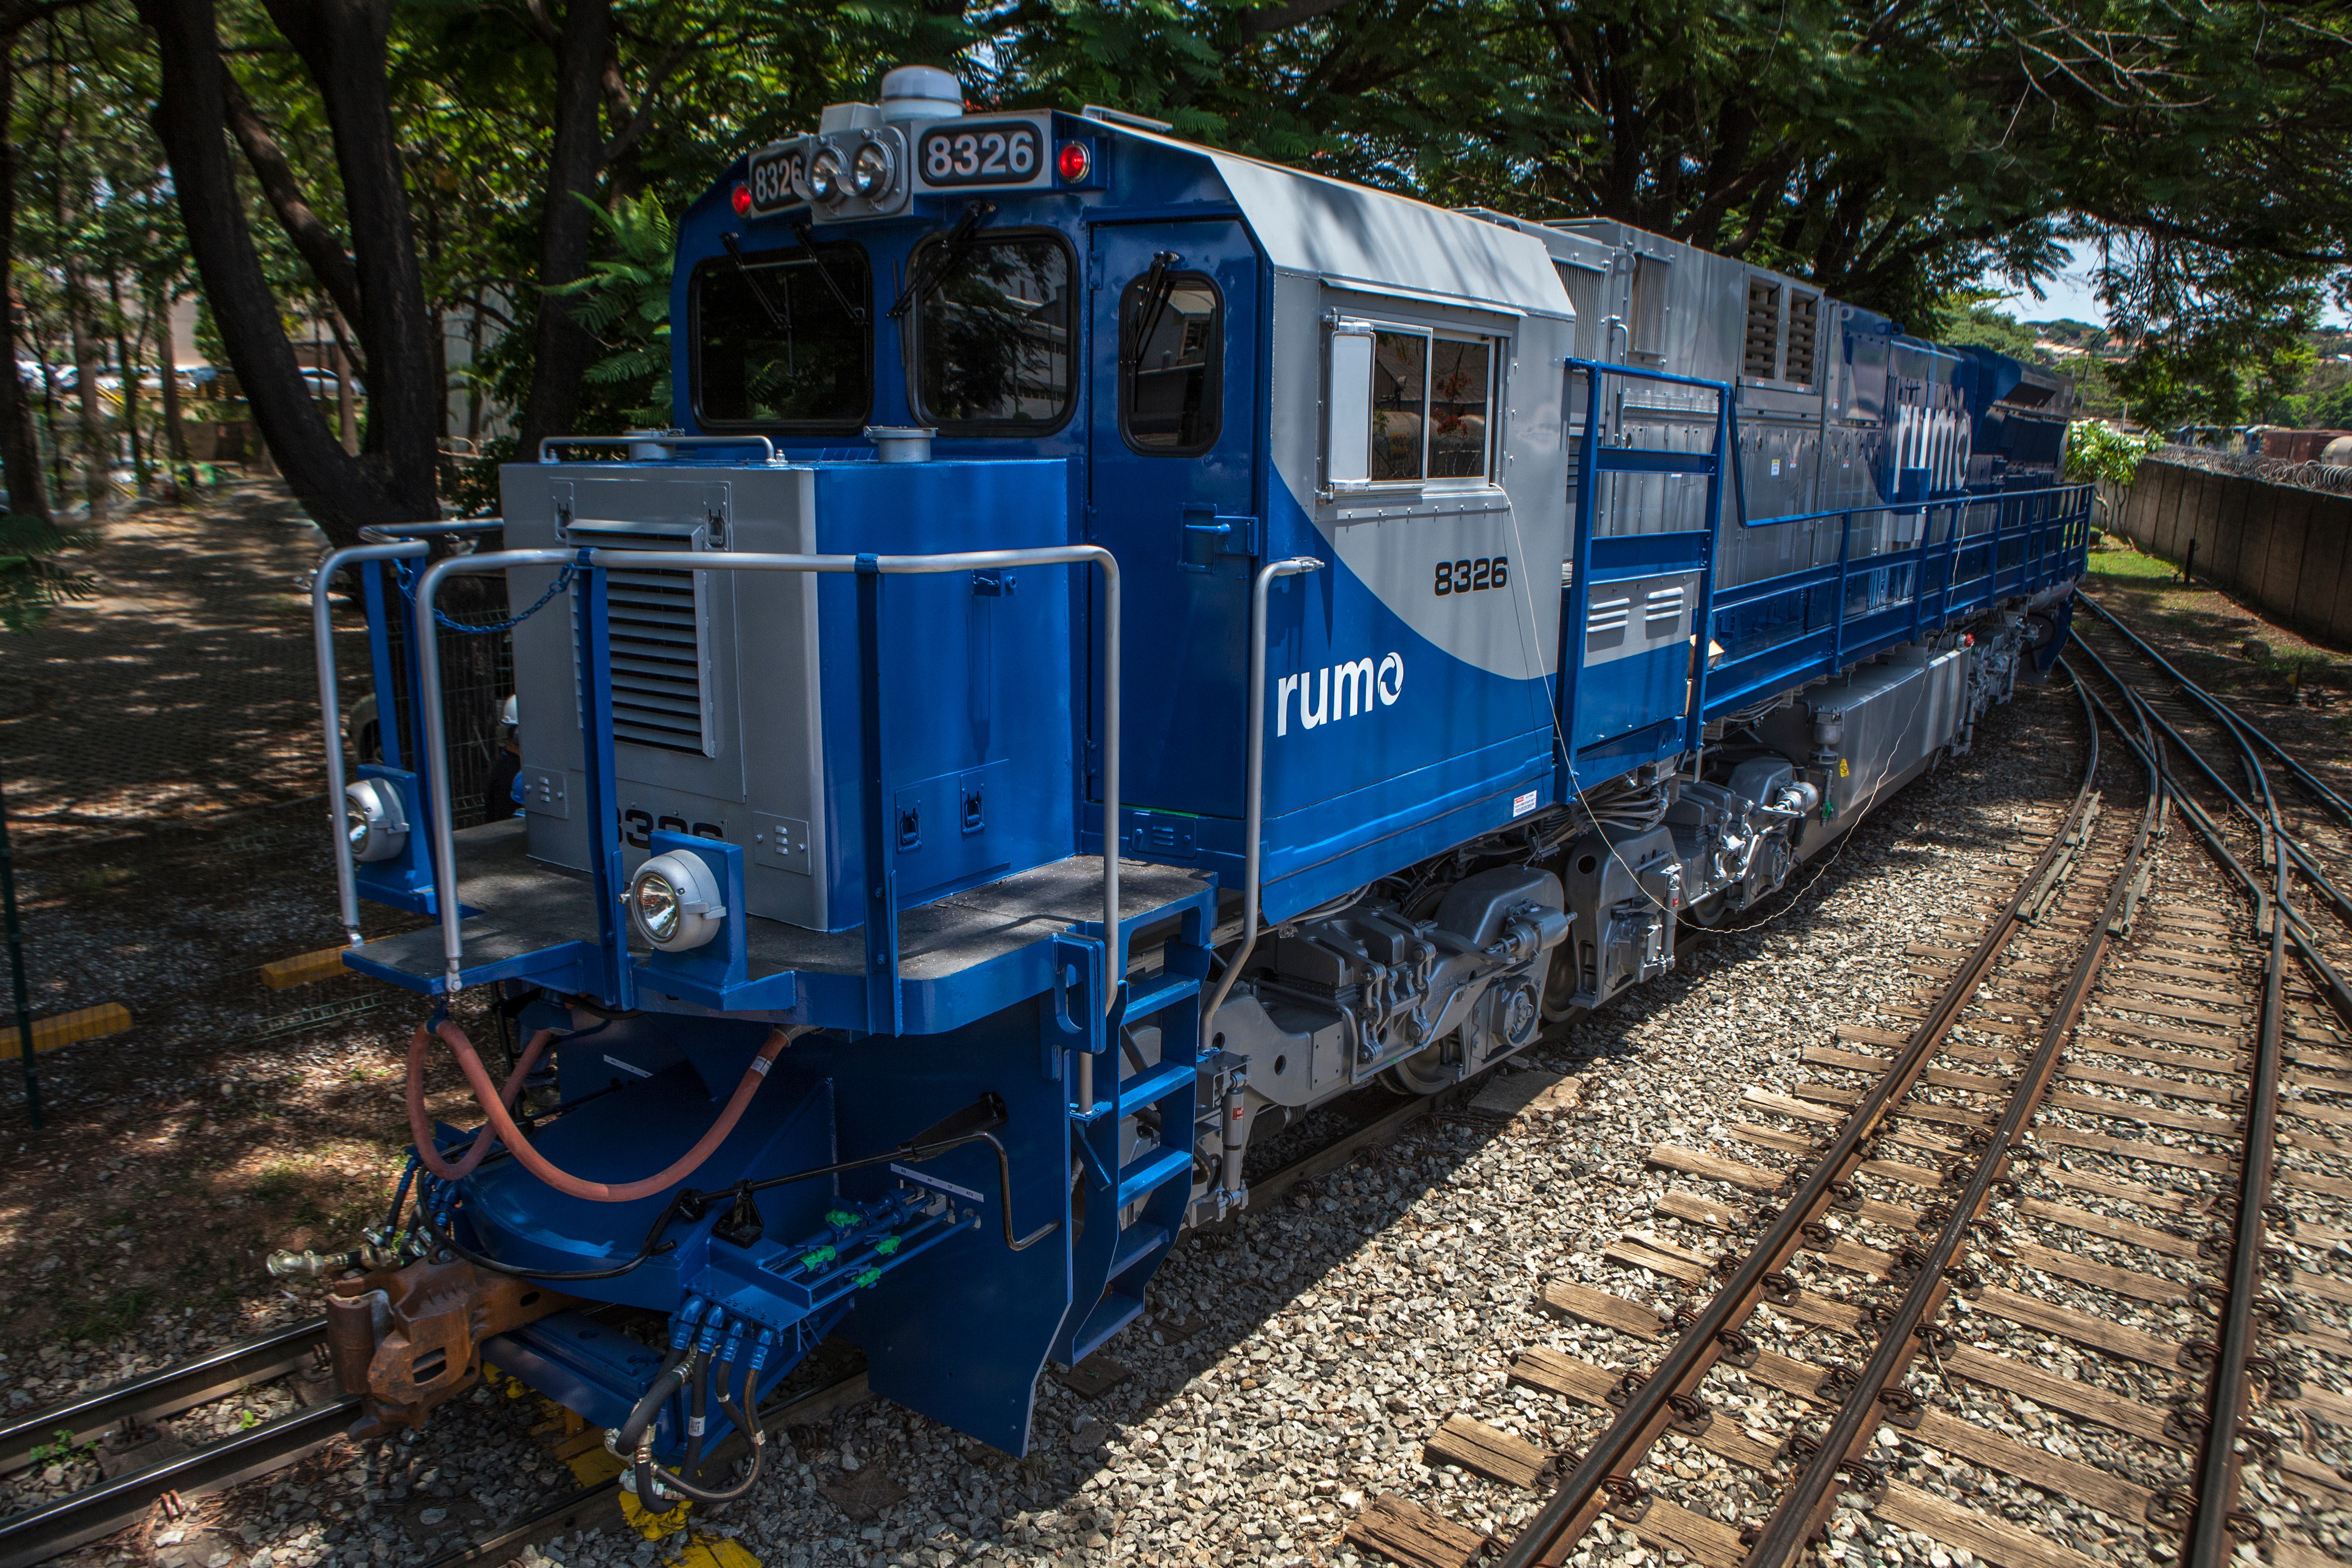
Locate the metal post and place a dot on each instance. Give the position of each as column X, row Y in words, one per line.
column 17, row 969
column 331, row 711
column 601, row 784
column 380, row 670
column 882, row 1009
column 1579, row 608
column 433, row 739
column 1837, row 610
column 1254, row 787
column 1694, row 721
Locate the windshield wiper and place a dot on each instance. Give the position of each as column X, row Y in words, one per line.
column 735, row 248
column 857, row 313
column 946, row 259
column 782, row 322
column 1159, row 288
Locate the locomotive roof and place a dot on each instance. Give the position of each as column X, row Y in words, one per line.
column 1355, row 236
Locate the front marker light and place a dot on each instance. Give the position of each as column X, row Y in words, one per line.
column 674, row 902
column 374, row 825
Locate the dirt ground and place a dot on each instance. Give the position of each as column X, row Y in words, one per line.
column 231, row 1120
column 159, row 745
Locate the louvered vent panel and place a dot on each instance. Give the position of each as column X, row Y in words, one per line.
column 1803, row 309
column 656, row 624
column 1761, row 359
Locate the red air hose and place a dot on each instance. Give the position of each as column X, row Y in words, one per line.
column 420, row 1125
column 494, row 1108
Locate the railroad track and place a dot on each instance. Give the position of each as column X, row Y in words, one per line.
column 122, row 1499
column 119, row 1502
column 1946, row 1203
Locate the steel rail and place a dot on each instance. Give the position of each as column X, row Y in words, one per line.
column 2215, row 1519
column 2299, row 930
column 1813, row 1494
column 164, row 1393
column 2304, row 776
column 40, row 1533
column 1578, row 1499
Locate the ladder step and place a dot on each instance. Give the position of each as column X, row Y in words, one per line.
column 1150, row 1171
column 1155, row 1083
column 1110, row 1314
column 1137, row 1244
column 1160, row 994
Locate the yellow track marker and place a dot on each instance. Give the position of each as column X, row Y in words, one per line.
column 304, row 968
column 66, row 1028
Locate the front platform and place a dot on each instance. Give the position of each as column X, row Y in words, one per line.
column 961, row 957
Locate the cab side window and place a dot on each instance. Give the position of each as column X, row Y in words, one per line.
column 1430, row 404
column 1171, row 335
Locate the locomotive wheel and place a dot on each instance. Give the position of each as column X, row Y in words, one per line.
column 1423, row 1073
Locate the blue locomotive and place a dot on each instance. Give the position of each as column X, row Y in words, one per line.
column 1123, row 643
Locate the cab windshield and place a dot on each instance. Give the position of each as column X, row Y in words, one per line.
column 781, row 346
column 993, row 333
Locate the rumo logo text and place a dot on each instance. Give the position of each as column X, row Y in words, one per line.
column 1337, row 691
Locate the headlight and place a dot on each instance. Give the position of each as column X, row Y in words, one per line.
column 825, row 176
column 674, row 902
column 374, row 825
column 869, row 171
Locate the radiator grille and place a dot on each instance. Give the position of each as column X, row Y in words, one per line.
column 1802, row 310
column 1761, row 359
column 659, row 695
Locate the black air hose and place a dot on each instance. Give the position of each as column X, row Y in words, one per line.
column 737, row 1410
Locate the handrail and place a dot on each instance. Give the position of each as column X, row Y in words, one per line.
column 548, row 444
column 331, row 713
column 444, row 841
column 384, row 532
column 1253, row 790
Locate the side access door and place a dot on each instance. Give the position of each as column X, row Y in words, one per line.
column 1172, row 369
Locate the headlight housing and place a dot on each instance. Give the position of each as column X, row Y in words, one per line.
column 375, row 824
column 826, row 177
column 674, row 902
column 869, row 172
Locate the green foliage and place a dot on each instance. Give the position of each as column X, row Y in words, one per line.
column 60, row 1449
column 2105, row 454
column 626, row 302
column 32, row 581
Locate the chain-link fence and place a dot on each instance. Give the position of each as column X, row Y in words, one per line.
column 185, row 694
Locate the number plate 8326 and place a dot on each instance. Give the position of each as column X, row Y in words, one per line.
column 960, row 154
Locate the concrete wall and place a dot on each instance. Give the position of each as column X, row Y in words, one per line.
column 2283, row 549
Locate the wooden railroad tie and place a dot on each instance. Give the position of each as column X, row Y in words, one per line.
column 1404, row 1531
column 1488, row 1450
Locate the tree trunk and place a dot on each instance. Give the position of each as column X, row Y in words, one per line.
column 342, row 494
column 347, row 408
column 97, row 439
column 20, row 448
column 321, row 251
column 177, row 470
column 126, row 366
column 564, row 349
column 59, row 483
column 345, row 45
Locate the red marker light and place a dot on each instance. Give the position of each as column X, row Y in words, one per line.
column 1073, row 162
column 742, row 200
